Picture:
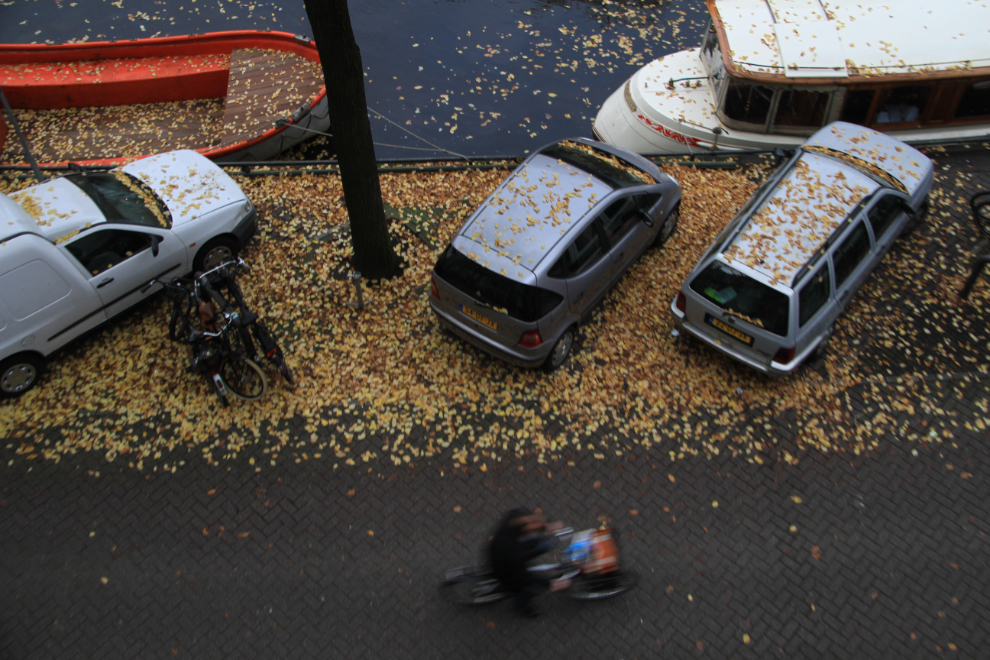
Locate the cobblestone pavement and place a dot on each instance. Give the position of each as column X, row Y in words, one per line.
column 883, row 554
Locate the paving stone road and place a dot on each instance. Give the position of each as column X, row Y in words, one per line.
column 839, row 555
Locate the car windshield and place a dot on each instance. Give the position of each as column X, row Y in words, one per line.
column 520, row 301
column 611, row 169
column 123, row 199
column 744, row 297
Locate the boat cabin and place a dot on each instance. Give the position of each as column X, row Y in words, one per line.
column 792, row 66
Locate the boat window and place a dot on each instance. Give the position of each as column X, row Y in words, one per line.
column 801, row 109
column 858, row 102
column 747, row 103
column 744, row 297
column 710, row 49
column 975, row 101
column 905, row 103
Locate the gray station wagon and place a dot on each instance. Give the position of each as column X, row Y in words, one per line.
column 547, row 245
column 771, row 286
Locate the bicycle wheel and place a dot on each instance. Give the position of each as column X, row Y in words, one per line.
column 471, row 585
column 243, row 378
column 603, row 586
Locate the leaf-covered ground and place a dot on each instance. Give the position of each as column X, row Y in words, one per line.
column 384, row 385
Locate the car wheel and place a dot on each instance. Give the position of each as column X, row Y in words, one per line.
column 560, row 350
column 214, row 253
column 19, row 374
column 668, row 227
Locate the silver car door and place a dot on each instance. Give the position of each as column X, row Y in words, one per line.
column 853, row 259
column 120, row 261
column 887, row 216
column 627, row 233
column 586, row 269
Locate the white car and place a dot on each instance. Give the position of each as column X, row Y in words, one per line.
column 75, row 251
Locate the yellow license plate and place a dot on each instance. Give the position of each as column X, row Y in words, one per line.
column 467, row 311
column 729, row 330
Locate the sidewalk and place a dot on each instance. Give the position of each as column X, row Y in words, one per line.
column 874, row 548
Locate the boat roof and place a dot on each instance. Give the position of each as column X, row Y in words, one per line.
column 809, row 203
column 528, row 214
column 844, row 38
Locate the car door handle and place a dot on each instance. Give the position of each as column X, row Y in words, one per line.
column 104, row 283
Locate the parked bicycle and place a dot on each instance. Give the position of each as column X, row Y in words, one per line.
column 226, row 368
column 590, row 560
column 251, row 330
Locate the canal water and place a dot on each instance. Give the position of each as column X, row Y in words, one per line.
column 468, row 77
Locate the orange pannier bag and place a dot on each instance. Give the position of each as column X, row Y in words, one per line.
column 604, row 555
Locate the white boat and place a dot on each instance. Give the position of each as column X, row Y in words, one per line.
column 769, row 73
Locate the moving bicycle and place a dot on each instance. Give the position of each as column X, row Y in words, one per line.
column 588, row 570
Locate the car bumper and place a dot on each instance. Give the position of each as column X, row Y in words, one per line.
column 775, row 369
column 246, row 227
column 530, row 359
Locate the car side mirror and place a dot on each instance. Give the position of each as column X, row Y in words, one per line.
column 647, row 220
column 155, row 241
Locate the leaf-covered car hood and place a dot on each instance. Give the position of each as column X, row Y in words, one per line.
column 189, row 184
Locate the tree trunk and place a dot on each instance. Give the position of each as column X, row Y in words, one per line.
column 343, row 72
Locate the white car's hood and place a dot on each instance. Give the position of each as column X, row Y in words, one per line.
column 189, row 184
column 59, row 208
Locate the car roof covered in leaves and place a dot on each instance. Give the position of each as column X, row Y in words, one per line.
column 529, row 213
column 59, row 208
column 871, row 150
column 13, row 219
column 809, row 203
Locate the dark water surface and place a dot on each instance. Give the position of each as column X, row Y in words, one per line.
column 472, row 77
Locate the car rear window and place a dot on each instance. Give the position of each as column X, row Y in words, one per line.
column 746, row 298
column 520, row 301
column 615, row 171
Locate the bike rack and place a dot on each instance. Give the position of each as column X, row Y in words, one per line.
column 361, row 302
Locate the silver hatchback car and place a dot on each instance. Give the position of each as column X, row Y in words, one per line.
column 546, row 247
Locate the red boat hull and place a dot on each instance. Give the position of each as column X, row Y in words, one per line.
column 152, row 70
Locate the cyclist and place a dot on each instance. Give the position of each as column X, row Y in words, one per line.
column 519, row 538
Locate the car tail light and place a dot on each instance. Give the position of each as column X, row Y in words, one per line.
column 433, row 289
column 681, row 302
column 531, row 339
column 784, row 355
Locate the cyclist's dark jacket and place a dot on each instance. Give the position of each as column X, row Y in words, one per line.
column 509, row 553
